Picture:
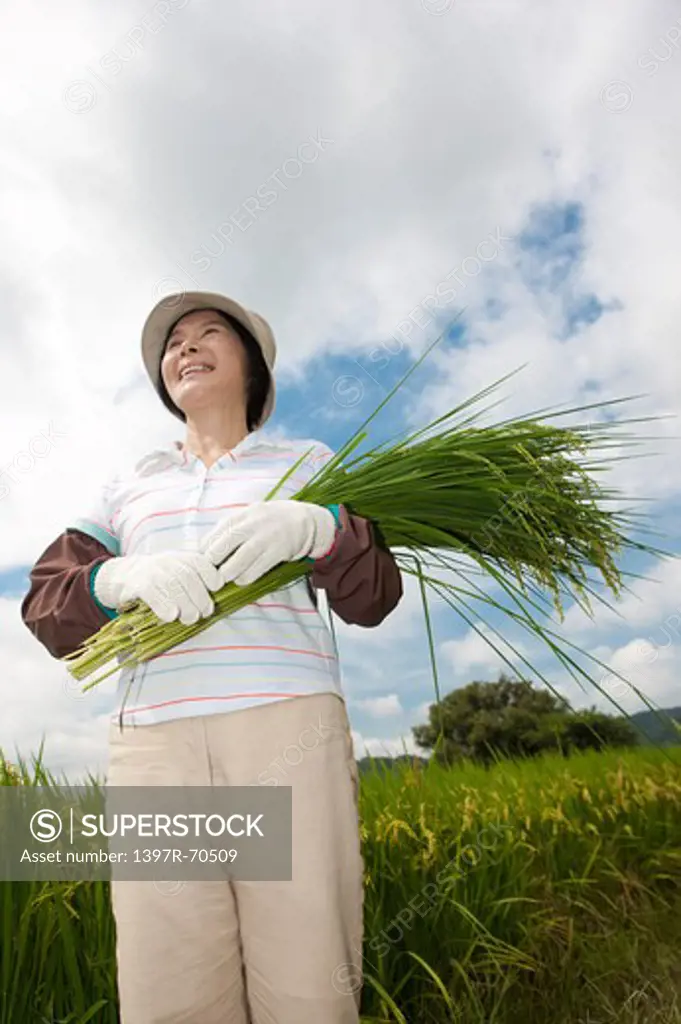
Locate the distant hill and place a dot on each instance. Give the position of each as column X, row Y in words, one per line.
column 647, row 724
column 379, row 764
column 652, row 730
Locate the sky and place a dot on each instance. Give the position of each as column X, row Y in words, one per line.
column 368, row 178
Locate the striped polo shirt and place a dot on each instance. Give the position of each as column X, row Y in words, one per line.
column 274, row 649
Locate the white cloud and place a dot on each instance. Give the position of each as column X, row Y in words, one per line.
column 368, row 746
column 43, row 703
column 381, row 707
column 420, row 714
column 650, row 670
column 472, row 653
column 101, row 207
column 652, row 605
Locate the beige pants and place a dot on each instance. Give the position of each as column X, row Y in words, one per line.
column 236, row 952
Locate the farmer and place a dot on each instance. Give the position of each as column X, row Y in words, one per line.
column 227, row 707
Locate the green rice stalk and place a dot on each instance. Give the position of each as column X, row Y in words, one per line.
column 517, row 503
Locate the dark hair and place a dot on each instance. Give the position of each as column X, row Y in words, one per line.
column 257, row 374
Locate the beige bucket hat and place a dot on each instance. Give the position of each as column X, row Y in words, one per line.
column 169, row 310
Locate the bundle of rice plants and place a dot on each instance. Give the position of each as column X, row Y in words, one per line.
column 511, row 516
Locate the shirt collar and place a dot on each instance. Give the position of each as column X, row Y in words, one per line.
column 174, row 454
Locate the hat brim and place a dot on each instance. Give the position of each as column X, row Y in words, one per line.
column 170, row 309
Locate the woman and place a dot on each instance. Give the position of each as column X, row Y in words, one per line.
column 228, row 706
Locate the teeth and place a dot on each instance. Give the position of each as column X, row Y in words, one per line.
column 196, row 369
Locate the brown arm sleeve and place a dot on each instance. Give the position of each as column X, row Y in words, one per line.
column 59, row 608
column 360, row 576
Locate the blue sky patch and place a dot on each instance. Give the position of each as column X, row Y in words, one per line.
column 551, row 251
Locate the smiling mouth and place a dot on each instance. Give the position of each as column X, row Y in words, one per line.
column 194, row 373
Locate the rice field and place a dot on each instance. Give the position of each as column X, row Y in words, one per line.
column 542, row 891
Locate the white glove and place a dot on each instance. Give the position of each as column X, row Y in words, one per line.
column 173, row 583
column 266, row 534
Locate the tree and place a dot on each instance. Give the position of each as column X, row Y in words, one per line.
column 483, row 721
column 593, row 730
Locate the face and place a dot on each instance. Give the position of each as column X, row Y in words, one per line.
column 203, row 337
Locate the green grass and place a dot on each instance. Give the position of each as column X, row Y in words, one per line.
column 542, row 891
column 564, row 913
